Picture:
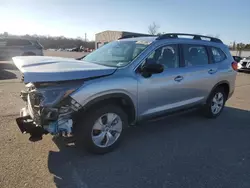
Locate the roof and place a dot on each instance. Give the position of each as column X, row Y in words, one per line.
column 148, row 39
column 124, row 32
column 199, row 39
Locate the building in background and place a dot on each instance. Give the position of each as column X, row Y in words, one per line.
column 108, row 36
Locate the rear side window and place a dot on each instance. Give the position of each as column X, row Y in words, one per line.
column 218, row 55
column 195, row 55
column 18, row 42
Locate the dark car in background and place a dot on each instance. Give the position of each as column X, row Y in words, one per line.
column 237, row 58
column 11, row 47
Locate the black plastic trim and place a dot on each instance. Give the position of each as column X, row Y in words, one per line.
column 110, row 97
column 181, row 56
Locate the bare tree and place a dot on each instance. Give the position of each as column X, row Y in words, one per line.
column 153, row 28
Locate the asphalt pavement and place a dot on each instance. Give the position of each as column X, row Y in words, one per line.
column 179, row 151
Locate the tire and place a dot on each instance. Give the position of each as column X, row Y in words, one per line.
column 209, row 108
column 87, row 131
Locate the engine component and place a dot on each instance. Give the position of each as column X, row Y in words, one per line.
column 60, row 126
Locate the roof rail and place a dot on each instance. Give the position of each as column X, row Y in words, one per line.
column 136, row 35
column 195, row 37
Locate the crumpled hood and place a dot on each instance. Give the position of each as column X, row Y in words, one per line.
column 50, row 69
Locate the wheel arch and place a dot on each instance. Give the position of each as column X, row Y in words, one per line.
column 120, row 99
column 225, row 84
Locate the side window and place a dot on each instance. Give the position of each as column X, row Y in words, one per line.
column 195, row 55
column 138, row 49
column 218, row 55
column 166, row 55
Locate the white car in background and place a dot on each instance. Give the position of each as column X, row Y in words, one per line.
column 12, row 46
column 244, row 64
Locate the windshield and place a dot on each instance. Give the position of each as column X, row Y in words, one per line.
column 117, row 53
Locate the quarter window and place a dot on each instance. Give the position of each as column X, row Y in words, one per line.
column 218, row 55
column 166, row 55
column 195, row 55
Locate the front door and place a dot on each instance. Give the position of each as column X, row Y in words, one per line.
column 163, row 91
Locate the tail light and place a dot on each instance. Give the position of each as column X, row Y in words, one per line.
column 235, row 65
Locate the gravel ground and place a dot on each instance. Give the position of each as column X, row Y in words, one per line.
column 178, row 151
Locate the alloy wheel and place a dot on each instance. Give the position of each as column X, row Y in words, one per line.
column 217, row 103
column 106, row 130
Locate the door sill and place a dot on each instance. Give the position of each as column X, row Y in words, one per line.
column 167, row 114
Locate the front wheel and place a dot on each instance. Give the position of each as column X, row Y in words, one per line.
column 101, row 129
column 215, row 103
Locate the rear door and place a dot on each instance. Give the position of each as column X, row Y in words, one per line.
column 200, row 74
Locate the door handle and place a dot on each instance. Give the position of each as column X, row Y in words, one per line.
column 178, row 78
column 212, row 71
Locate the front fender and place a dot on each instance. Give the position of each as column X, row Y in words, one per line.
column 106, row 86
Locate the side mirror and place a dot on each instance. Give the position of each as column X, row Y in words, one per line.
column 153, row 68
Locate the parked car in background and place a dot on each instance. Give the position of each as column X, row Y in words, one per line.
column 237, row 58
column 10, row 47
column 244, row 64
column 121, row 83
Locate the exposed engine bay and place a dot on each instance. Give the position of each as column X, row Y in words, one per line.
column 49, row 108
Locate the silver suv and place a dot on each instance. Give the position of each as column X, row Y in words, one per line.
column 93, row 100
column 11, row 46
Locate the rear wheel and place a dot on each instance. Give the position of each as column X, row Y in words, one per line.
column 215, row 103
column 101, row 129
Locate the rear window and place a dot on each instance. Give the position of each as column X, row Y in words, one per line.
column 17, row 42
column 218, row 55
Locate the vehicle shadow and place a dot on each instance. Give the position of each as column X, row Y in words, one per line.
column 7, row 66
column 4, row 75
column 160, row 153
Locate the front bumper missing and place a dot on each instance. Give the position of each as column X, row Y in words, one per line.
column 37, row 121
column 27, row 125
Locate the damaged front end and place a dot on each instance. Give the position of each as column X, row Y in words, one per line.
column 49, row 109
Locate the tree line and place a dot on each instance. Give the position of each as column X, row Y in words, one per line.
column 56, row 42
column 239, row 46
